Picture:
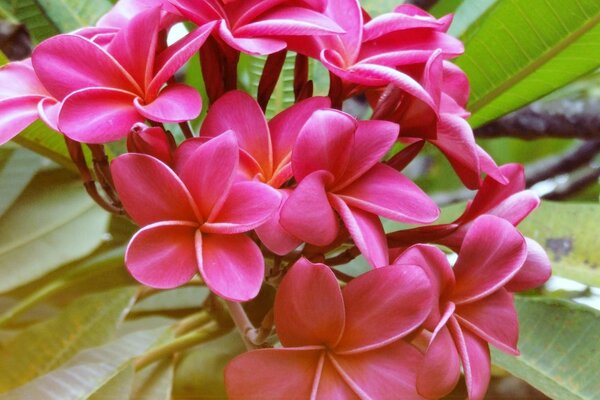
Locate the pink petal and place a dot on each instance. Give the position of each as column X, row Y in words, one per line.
column 392, row 22
column 488, row 165
column 150, row 191
column 272, row 374
column 440, row 371
column 19, row 79
column 535, row 271
column 16, row 114
column 327, row 149
column 313, row 320
column 386, row 192
column 49, row 109
column 199, row 12
column 379, row 373
column 170, row 60
column 348, row 15
column 307, row 213
column 272, row 234
column 231, row 265
column 492, row 253
column 134, row 46
column 98, row 115
column 366, row 231
column 331, row 385
column 369, row 148
column 248, row 205
column 286, row 126
column 240, row 113
column 252, row 46
column 209, row 171
column 435, row 264
column 162, row 255
column 475, row 357
column 176, row 103
column 67, row 63
column 290, row 21
column 516, row 207
column 494, row 319
column 375, row 318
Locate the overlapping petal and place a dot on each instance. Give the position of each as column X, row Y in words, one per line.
column 176, row 103
column 535, row 270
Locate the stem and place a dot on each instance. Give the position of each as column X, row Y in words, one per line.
column 242, row 322
column 336, row 88
column 205, row 334
column 300, row 75
column 186, row 129
column 192, row 322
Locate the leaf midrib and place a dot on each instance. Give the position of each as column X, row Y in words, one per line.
column 533, row 66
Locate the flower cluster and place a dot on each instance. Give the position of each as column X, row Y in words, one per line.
column 249, row 201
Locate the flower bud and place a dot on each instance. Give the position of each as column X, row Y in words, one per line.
column 153, row 141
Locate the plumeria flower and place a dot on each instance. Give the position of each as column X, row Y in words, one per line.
column 104, row 92
column 259, row 27
column 266, row 149
column 510, row 202
column 336, row 163
column 474, row 306
column 193, row 221
column 344, row 343
column 21, row 97
column 125, row 10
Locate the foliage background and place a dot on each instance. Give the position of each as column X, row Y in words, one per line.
column 74, row 325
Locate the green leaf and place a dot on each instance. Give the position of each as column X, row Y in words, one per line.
column 519, row 52
column 52, row 223
column 559, row 348
column 154, row 382
column 467, row 13
column 569, row 232
column 101, row 372
column 69, row 15
column 3, row 58
column 41, row 348
column 29, row 13
column 175, row 299
column 18, row 170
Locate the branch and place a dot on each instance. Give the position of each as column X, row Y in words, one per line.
column 574, row 185
column 566, row 119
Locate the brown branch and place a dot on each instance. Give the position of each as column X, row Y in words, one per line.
column 565, row 119
column 574, row 185
column 269, row 77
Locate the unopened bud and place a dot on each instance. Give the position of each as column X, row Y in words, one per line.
column 153, row 141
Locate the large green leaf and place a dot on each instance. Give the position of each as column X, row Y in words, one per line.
column 41, row 348
column 155, row 382
column 520, row 51
column 100, row 373
column 45, row 18
column 52, row 223
column 569, row 232
column 559, row 344
column 18, row 170
column 467, row 13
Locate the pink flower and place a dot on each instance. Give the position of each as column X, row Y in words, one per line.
column 259, row 26
column 125, row 10
column 336, row 162
column 104, row 92
column 510, row 202
column 153, row 141
column 193, row 222
column 266, row 149
column 474, row 307
column 22, row 97
column 338, row 343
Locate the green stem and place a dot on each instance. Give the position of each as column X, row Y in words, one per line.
column 204, row 334
column 192, row 322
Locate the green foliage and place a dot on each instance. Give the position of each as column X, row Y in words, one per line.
column 17, row 170
column 517, row 52
column 559, row 348
column 569, row 234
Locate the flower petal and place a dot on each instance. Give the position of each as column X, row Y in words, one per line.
column 535, row 271
column 19, row 79
column 366, row 231
column 232, row 265
column 67, row 63
column 372, row 140
column 324, row 144
column 209, row 171
column 440, row 371
column 307, row 213
column 150, row 191
column 240, row 113
column 475, row 357
column 176, row 103
column 492, row 253
column 98, row 115
column 252, row 46
column 290, row 21
column 286, row 126
column 375, row 318
column 303, row 320
column 16, row 114
column 162, row 255
column 379, row 373
column 386, row 192
column 248, row 205
column 272, row 374
column 331, row 385
column 494, row 319
column 272, row 234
